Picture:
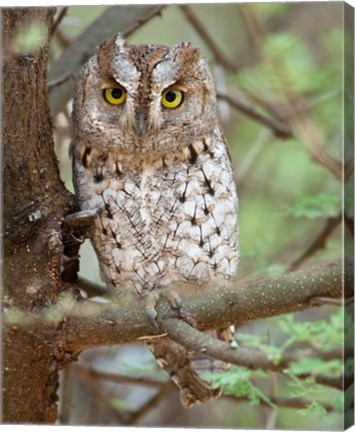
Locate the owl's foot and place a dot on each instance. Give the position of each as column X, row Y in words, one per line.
column 152, row 298
column 173, row 298
column 150, row 302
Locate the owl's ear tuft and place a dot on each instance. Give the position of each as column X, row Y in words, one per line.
column 120, row 42
column 187, row 50
column 186, row 55
column 105, row 54
column 107, row 51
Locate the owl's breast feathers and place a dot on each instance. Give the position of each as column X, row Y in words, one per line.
column 172, row 220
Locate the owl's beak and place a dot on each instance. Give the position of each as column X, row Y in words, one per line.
column 141, row 124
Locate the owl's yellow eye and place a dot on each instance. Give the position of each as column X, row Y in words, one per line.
column 115, row 96
column 171, row 98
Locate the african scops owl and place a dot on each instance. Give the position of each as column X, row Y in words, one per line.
column 149, row 153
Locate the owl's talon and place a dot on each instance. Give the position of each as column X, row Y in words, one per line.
column 150, row 302
column 176, row 303
column 151, row 316
column 174, row 299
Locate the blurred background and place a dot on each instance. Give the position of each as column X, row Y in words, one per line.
column 279, row 76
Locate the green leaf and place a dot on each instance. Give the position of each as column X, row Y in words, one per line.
column 237, row 382
column 316, row 366
column 318, row 410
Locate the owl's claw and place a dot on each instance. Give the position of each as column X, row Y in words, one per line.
column 152, row 298
column 151, row 316
column 174, row 300
column 150, row 302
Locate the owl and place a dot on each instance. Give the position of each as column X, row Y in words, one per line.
column 150, row 156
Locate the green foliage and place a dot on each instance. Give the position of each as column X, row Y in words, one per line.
column 237, row 382
column 307, row 388
column 315, row 206
column 321, row 335
column 288, row 67
column 315, row 365
column 261, row 343
column 318, row 410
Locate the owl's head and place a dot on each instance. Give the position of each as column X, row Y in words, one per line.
column 144, row 98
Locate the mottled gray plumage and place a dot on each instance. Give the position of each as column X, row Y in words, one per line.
column 161, row 176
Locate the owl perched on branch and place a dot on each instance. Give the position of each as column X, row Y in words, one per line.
column 150, row 156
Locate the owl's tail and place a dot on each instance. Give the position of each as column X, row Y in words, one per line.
column 184, row 368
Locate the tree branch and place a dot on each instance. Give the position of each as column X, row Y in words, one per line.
column 115, row 18
column 318, row 243
column 141, row 21
column 89, row 324
column 122, row 379
column 280, row 129
column 193, row 340
column 58, row 20
column 204, row 34
column 282, row 402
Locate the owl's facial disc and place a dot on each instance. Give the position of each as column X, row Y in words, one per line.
column 149, row 98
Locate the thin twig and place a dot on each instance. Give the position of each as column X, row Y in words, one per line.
column 318, row 243
column 336, row 353
column 59, row 81
column 326, row 301
column 335, row 382
column 281, row 130
column 62, row 40
column 202, row 31
column 307, row 132
column 141, row 21
column 152, row 403
column 58, row 20
column 101, row 394
column 122, row 379
column 303, row 126
column 194, row 340
column 164, row 387
column 282, row 402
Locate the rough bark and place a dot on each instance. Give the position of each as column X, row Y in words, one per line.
column 35, row 203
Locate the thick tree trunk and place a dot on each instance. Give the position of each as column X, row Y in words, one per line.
column 35, row 202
